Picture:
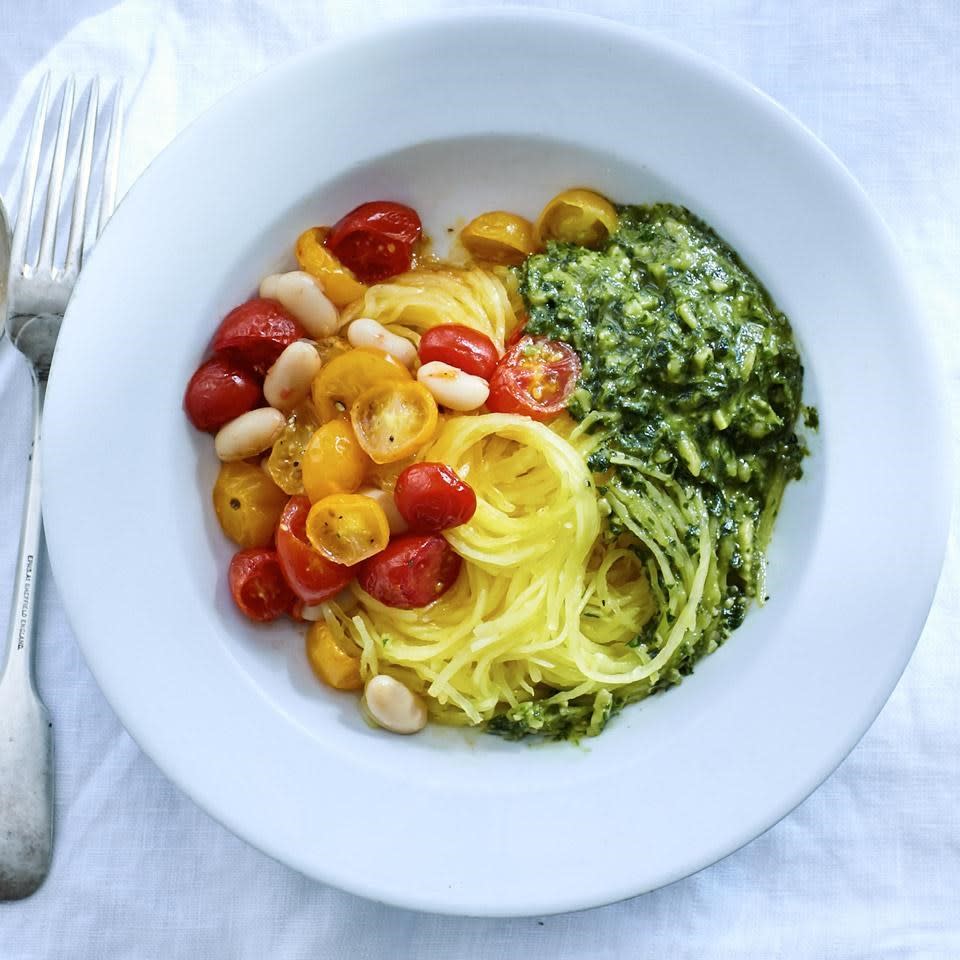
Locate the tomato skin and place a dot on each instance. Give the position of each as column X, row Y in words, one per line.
column 535, row 378
column 513, row 338
column 248, row 504
column 312, row 577
column 375, row 240
column 332, row 461
column 257, row 585
column 296, row 611
column 256, row 333
column 346, row 376
column 431, row 497
column 499, row 237
column 338, row 282
column 469, row 350
column 412, row 571
column 386, row 218
column 392, row 420
column 218, row 392
column 374, row 259
column 347, row 528
column 577, row 216
column 285, row 463
column 331, row 663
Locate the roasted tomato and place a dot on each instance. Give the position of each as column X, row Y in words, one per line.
column 577, row 216
column 248, row 504
column 499, row 237
column 463, row 347
column 412, row 571
column 219, row 392
column 376, row 239
column 384, row 475
column 513, row 337
column 258, row 586
column 345, row 377
column 347, row 527
column 311, row 575
column 333, row 461
column 330, row 348
column 285, row 463
column 393, row 420
column 335, row 665
column 338, row 281
column 535, row 378
column 255, row 333
column 431, row 497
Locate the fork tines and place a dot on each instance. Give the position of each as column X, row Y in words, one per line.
column 77, row 238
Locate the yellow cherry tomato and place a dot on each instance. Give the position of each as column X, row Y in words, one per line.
column 247, row 503
column 334, row 665
column 383, row 476
column 347, row 528
column 499, row 237
column 577, row 216
column 393, row 420
column 330, row 348
column 344, row 378
column 339, row 282
column 333, row 461
column 285, row 463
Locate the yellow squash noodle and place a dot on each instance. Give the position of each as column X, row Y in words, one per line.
column 544, row 606
column 416, row 301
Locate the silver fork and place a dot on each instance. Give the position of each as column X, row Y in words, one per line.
column 38, row 294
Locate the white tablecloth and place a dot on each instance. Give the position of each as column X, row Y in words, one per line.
column 868, row 867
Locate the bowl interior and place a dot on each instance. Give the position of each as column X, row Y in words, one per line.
column 448, row 182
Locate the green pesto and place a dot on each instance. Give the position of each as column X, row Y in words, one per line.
column 690, row 372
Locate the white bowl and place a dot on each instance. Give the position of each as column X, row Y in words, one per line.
column 455, row 116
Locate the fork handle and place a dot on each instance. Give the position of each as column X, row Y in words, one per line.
column 18, row 670
column 26, row 742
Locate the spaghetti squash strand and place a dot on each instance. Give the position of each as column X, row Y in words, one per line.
column 414, row 302
column 553, row 611
column 531, row 614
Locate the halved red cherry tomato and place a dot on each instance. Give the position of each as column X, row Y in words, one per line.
column 376, row 239
column 412, row 571
column 513, row 337
column 220, row 391
column 256, row 332
column 310, row 574
column 469, row 350
column 535, row 378
column 258, row 586
column 431, row 497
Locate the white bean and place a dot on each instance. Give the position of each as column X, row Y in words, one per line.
column 249, row 434
column 364, row 332
column 288, row 381
column 303, row 296
column 393, row 706
column 384, row 499
column 452, row 387
column 314, row 611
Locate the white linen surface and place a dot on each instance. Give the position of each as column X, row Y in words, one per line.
column 868, row 867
